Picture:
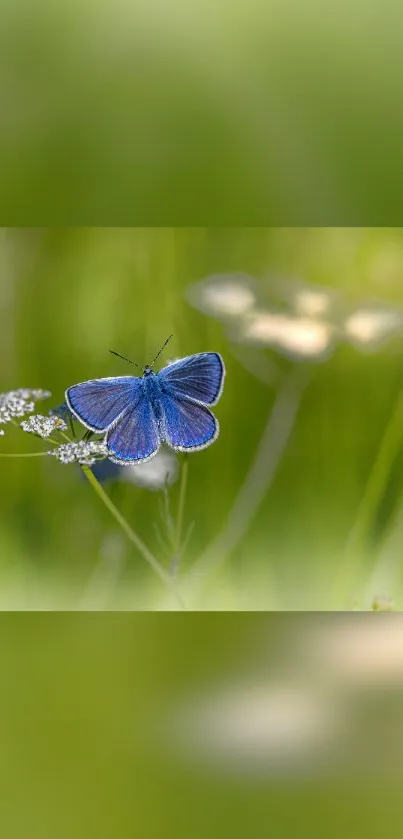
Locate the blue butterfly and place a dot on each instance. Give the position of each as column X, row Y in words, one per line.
column 138, row 413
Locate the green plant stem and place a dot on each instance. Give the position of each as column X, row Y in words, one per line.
column 181, row 505
column 374, row 490
column 279, row 426
column 30, row 454
column 132, row 535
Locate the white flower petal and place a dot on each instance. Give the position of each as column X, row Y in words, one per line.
column 295, row 336
column 223, row 295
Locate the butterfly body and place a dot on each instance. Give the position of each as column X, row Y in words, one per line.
column 151, row 390
column 138, row 413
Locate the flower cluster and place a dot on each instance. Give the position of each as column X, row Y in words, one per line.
column 288, row 316
column 16, row 403
column 83, row 452
column 43, row 426
column 300, row 321
column 154, row 474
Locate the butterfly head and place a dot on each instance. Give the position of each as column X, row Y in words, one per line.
column 148, row 369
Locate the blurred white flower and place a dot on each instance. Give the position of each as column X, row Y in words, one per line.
column 299, row 320
column 223, row 295
column 295, row 336
column 371, row 326
column 296, row 333
column 312, row 302
column 153, row 474
column 363, row 650
column 257, row 723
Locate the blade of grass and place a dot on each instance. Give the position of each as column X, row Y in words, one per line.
column 132, row 536
column 269, row 452
column 375, row 488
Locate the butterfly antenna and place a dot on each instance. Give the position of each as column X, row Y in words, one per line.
column 162, row 348
column 125, row 359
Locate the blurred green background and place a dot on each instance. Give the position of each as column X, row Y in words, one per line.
column 229, row 113
column 311, row 517
column 301, row 719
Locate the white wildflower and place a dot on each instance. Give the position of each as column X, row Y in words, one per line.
column 255, row 725
column 295, row 336
column 43, row 426
column 83, row 452
column 312, row 302
column 36, row 395
column 17, row 403
column 370, row 326
column 223, row 295
column 306, row 300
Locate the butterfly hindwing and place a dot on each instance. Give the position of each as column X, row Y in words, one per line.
column 187, row 425
column 198, row 377
column 99, row 402
column 135, row 436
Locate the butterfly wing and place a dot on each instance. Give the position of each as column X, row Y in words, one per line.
column 99, row 402
column 135, row 436
column 186, row 425
column 199, row 377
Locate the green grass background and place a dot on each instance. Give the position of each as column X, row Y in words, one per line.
column 68, row 295
column 229, row 113
column 160, row 113
column 86, row 698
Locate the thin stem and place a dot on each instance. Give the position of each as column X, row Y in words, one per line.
column 373, row 492
column 181, row 505
column 36, row 454
column 167, row 518
column 272, row 445
column 385, row 577
column 130, row 533
column 72, row 429
column 31, row 454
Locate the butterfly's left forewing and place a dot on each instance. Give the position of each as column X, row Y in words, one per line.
column 99, row 402
column 135, row 436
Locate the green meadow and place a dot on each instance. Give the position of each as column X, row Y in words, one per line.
column 298, row 504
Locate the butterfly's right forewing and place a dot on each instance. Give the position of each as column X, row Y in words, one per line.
column 199, row 377
column 98, row 403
